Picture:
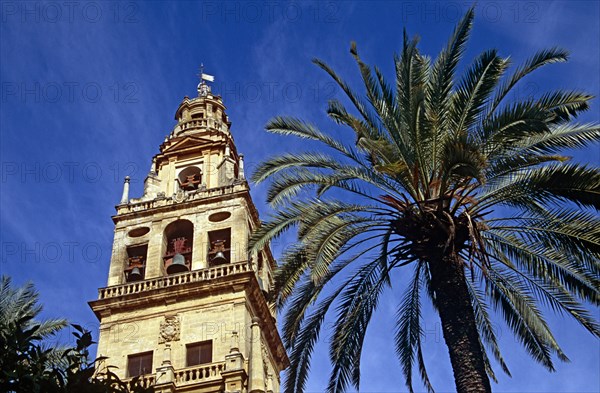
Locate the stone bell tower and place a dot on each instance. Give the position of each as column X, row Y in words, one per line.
column 184, row 309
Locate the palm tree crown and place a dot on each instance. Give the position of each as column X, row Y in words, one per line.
column 448, row 179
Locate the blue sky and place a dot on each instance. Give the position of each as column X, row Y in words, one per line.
column 89, row 90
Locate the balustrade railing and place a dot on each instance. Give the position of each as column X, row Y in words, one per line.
column 183, row 376
column 146, row 381
column 199, row 373
column 210, row 273
column 200, row 123
column 139, row 205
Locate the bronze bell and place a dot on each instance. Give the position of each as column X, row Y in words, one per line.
column 135, row 274
column 178, row 265
column 219, row 258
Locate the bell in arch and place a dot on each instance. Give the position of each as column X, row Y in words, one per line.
column 219, row 258
column 178, row 265
column 135, row 274
column 218, row 248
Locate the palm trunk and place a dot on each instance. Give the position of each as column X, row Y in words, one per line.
column 458, row 324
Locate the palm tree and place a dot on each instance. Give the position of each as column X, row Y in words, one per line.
column 25, row 355
column 451, row 182
column 30, row 364
column 19, row 307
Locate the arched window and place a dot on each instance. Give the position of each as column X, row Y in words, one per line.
column 178, row 242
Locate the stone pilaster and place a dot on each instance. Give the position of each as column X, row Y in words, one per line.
column 200, row 246
column 154, row 261
column 257, row 372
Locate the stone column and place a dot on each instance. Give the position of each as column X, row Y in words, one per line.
column 257, row 372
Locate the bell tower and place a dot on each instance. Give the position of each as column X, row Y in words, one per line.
column 184, row 309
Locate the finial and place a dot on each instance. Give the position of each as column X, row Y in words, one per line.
column 153, row 166
column 125, row 195
column 235, row 343
column 203, row 88
column 241, row 174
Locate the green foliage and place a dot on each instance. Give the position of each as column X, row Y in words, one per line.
column 441, row 166
column 29, row 365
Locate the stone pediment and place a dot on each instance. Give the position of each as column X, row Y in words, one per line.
column 188, row 142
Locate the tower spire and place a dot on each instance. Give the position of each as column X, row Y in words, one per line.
column 203, row 88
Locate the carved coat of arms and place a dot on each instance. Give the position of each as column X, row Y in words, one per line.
column 169, row 329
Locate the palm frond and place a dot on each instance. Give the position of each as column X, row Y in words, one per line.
column 541, row 58
column 371, row 122
column 522, row 316
column 476, row 86
column 438, row 93
column 552, row 293
column 357, row 303
column 484, row 325
column 554, row 183
column 409, row 332
column 560, row 137
column 289, row 161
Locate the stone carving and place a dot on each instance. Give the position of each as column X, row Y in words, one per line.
column 265, row 357
column 179, row 196
column 169, row 329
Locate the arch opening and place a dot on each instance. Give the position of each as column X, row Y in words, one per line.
column 178, row 242
column 190, row 178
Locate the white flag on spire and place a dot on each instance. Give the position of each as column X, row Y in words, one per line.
column 207, row 77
